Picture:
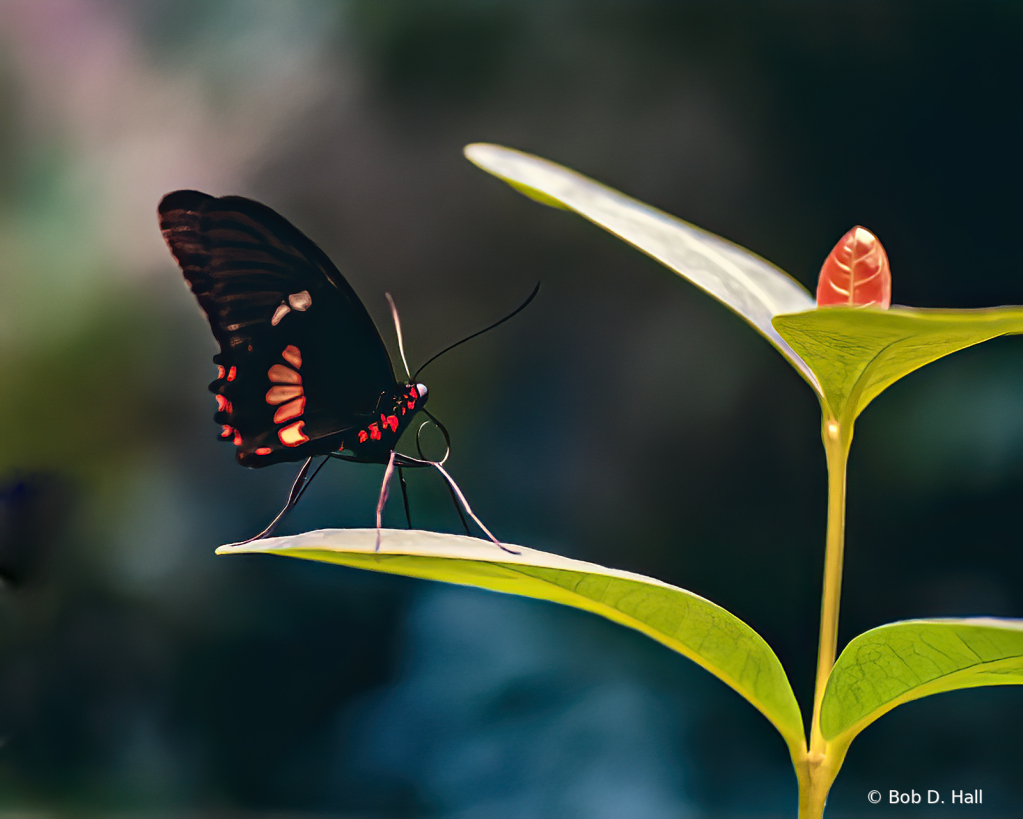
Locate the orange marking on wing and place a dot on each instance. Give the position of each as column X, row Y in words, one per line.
column 263, row 450
column 278, row 395
column 232, row 374
column 237, row 438
column 292, row 409
column 280, row 374
column 374, row 431
column 221, row 372
column 292, row 434
column 293, row 356
column 226, row 431
column 390, row 422
column 222, row 403
column 363, row 436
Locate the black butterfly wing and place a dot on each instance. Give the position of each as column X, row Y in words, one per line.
column 301, row 362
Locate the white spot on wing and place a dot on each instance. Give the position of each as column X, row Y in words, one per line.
column 280, row 313
column 300, row 301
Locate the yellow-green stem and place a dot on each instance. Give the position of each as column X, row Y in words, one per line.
column 819, row 769
column 836, row 446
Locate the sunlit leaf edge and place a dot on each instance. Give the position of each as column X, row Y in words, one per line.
column 746, row 283
column 836, row 341
column 716, row 639
column 941, row 654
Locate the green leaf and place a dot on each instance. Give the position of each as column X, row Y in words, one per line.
column 696, row 628
column 751, row 286
column 848, row 355
column 899, row 662
column 856, row 352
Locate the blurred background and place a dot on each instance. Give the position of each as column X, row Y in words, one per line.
column 624, row 418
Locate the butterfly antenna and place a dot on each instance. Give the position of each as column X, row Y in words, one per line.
column 512, row 314
column 397, row 330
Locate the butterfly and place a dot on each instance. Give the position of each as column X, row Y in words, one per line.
column 302, row 369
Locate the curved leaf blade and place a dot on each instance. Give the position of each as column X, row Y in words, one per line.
column 856, row 353
column 691, row 625
column 905, row 661
column 751, row 286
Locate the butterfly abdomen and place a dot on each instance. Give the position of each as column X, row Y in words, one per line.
column 378, row 434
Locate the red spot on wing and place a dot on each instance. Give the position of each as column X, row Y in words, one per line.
column 226, row 431
column 280, row 374
column 232, row 374
column 237, row 438
column 221, row 372
column 363, row 436
column 374, row 431
column 278, row 395
column 292, row 409
column 223, row 404
column 292, row 434
column 263, row 450
column 856, row 272
column 293, row 356
column 390, row 422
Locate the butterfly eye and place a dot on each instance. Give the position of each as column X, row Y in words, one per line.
column 421, row 389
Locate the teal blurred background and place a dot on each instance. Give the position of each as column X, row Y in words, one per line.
column 624, row 418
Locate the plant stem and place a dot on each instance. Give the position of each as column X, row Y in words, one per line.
column 820, row 767
column 836, row 446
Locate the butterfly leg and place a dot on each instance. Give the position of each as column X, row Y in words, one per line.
column 458, row 508
column 404, row 493
column 297, row 490
column 465, row 504
column 383, row 496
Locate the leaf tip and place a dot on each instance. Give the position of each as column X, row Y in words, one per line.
column 481, row 153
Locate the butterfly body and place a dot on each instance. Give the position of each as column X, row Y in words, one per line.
column 302, row 370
